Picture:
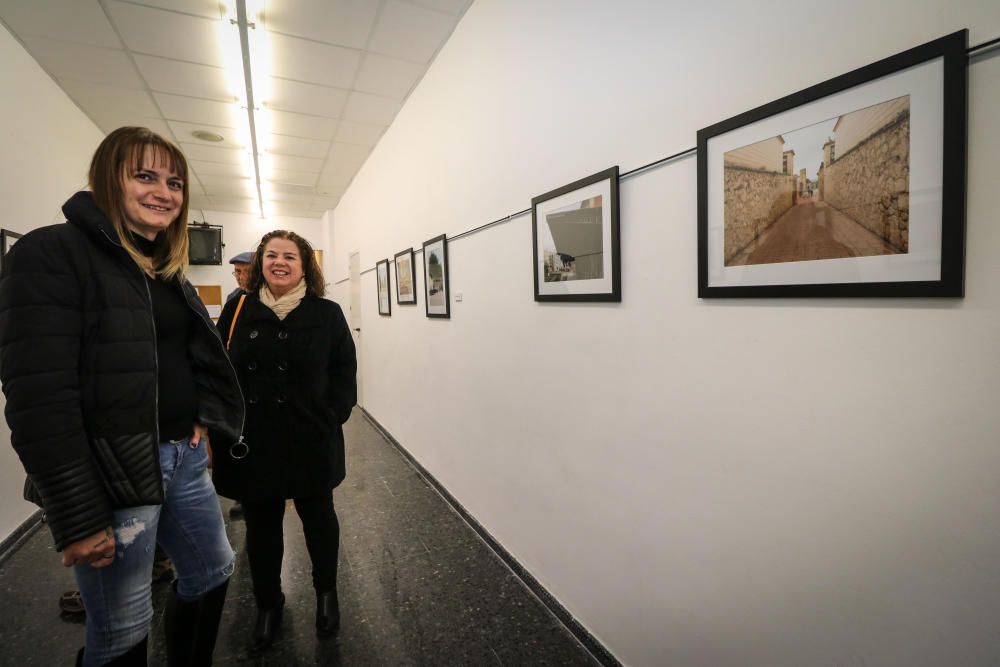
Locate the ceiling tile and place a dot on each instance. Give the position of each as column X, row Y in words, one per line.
column 171, row 76
column 64, row 60
column 291, row 209
column 410, row 32
column 156, row 32
column 300, row 198
column 342, row 22
column 199, row 202
column 195, row 189
column 184, row 132
column 359, row 133
column 228, row 186
column 454, row 7
column 311, row 62
column 80, row 22
column 212, row 153
column 202, row 168
column 324, row 203
column 302, row 125
column 279, row 143
column 305, row 178
column 127, row 102
column 206, row 8
column 388, row 76
column 235, row 204
column 194, row 110
column 294, row 163
column 341, row 166
column 306, row 98
column 371, row 109
column 291, row 188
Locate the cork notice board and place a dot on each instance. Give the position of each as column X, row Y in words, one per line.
column 211, row 296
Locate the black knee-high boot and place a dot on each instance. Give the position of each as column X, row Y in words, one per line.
column 134, row 657
column 192, row 627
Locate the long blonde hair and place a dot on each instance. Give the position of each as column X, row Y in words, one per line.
column 120, row 154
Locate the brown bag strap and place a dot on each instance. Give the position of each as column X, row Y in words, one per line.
column 232, row 324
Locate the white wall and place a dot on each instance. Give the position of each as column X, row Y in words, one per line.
column 732, row 482
column 45, row 148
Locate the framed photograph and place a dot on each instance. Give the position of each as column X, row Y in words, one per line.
column 7, row 241
column 406, row 278
column 382, row 277
column 436, row 292
column 852, row 187
column 574, row 234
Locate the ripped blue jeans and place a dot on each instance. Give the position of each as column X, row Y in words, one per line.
column 189, row 527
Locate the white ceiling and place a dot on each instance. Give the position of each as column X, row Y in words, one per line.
column 340, row 71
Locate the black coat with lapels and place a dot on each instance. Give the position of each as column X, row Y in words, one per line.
column 298, row 377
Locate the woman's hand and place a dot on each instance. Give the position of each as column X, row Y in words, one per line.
column 199, row 433
column 98, row 550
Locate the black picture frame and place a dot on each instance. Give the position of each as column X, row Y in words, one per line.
column 437, row 294
column 913, row 104
column 382, row 283
column 584, row 262
column 406, row 278
column 7, row 241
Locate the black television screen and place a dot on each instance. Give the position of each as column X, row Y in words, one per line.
column 204, row 244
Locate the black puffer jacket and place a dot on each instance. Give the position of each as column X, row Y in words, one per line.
column 79, row 370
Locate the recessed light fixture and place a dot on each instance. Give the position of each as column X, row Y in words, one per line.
column 205, row 135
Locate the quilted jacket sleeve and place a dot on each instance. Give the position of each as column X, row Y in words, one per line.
column 41, row 323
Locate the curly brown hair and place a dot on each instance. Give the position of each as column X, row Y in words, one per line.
column 312, row 271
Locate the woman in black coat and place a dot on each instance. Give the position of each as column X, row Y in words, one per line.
column 296, row 363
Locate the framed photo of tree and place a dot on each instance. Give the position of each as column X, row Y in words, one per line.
column 436, row 292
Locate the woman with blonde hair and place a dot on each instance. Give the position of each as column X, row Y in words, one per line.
column 113, row 373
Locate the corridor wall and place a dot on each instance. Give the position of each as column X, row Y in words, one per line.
column 735, row 482
column 45, row 147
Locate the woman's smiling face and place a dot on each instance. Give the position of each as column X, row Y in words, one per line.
column 281, row 266
column 153, row 196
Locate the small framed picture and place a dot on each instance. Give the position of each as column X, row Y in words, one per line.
column 436, row 292
column 7, row 241
column 854, row 187
column 406, row 278
column 575, row 239
column 382, row 277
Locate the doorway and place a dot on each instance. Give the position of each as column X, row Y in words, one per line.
column 354, row 317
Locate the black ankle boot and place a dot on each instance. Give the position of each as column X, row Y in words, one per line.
column 327, row 613
column 192, row 627
column 268, row 622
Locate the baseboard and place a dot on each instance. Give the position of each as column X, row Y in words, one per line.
column 10, row 543
column 596, row 649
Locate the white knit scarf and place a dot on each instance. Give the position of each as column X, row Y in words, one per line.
column 285, row 303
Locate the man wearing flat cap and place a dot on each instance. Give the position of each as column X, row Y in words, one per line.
column 241, row 271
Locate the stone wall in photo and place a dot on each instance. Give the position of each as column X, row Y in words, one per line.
column 870, row 184
column 754, row 200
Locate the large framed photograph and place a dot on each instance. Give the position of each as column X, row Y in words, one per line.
column 7, row 241
column 852, row 187
column 436, row 292
column 382, row 278
column 574, row 233
column 406, row 278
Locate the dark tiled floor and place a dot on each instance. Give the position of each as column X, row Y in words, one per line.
column 417, row 587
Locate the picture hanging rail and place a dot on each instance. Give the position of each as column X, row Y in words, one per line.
column 956, row 58
column 852, row 187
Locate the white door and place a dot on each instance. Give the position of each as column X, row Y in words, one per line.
column 354, row 317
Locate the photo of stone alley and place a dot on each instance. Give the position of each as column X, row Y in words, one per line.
column 849, row 196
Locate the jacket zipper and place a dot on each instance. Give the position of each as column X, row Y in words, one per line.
column 156, row 356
